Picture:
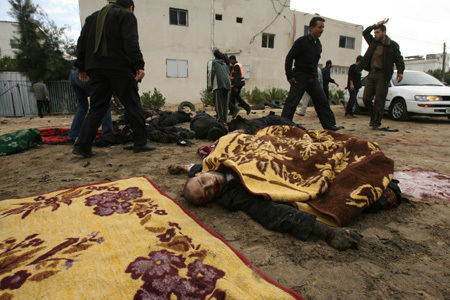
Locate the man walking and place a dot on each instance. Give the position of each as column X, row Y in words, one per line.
column 306, row 53
column 218, row 80
column 379, row 61
column 237, row 83
column 353, row 86
column 41, row 94
column 326, row 75
column 108, row 54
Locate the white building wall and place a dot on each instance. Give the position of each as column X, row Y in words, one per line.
column 7, row 31
column 161, row 41
column 430, row 62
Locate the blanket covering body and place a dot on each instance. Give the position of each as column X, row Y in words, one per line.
column 119, row 240
column 19, row 141
column 332, row 175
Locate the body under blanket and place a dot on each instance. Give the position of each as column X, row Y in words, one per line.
column 332, row 175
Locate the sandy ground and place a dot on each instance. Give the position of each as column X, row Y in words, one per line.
column 405, row 253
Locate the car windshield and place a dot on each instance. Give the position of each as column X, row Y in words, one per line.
column 418, row 78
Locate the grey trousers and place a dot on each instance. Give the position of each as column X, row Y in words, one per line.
column 221, row 104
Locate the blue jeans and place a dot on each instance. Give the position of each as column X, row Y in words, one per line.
column 82, row 91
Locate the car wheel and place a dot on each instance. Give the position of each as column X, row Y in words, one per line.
column 186, row 106
column 398, row 110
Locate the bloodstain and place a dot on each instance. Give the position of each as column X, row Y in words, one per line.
column 422, row 184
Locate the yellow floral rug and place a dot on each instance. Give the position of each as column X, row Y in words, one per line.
column 124, row 239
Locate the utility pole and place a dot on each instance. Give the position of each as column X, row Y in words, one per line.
column 443, row 65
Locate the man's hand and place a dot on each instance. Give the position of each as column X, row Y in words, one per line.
column 352, row 87
column 292, row 80
column 236, row 90
column 83, row 76
column 399, row 77
column 178, row 169
column 383, row 21
column 139, row 75
column 210, row 88
column 337, row 84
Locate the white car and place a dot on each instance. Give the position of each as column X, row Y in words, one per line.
column 418, row 93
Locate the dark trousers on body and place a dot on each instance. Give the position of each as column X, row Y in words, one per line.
column 103, row 84
column 311, row 85
column 351, row 102
column 377, row 86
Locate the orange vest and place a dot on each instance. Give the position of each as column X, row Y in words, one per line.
column 232, row 73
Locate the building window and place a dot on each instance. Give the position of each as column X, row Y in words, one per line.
column 268, row 40
column 177, row 68
column 339, row 70
column 218, row 17
column 346, row 42
column 14, row 43
column 239, row 20
column 306, row 30
column 178, row 16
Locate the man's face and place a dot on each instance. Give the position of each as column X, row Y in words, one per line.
column 232, row 61
column 379, row 35
column 316, row 31
column 206, row 186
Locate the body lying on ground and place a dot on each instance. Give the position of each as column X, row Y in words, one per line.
column 296, row 181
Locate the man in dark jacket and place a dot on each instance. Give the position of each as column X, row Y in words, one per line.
column 353, row 86
column 306, row 53
column 326, row 77
column 379, row 61
column 108, row 54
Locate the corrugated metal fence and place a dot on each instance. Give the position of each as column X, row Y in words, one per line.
column 17, row 99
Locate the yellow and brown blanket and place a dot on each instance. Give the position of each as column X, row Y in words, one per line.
column 119, row 240
column 332, row 175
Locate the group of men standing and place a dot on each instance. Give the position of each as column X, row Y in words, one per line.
column 379, row 61
column 115, row 65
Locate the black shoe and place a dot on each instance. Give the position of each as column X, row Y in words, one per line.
column 376, row 127
column 334, row 128
column 79, row 151
column 144, row 148
column 70, row 141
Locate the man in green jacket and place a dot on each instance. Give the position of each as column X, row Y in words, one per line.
column 219, row 81
column 379, row 61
